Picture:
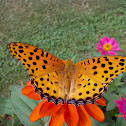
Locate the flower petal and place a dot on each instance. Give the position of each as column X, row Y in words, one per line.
column 103, row 53
column 115, row 46
column 106, row 39
column 111, row 52
column 28, row 83
column 121, row 104
column 57, row 119
column 118, row 101
column 101, row 102
column 34, row 96
column 100, row 48
column 111, row 41
column 124, row 117
column 98, row 45
column 117, row 49
column 84, row 119
column 102, row 42
column 30, row 93
column 35, row 113
column 49, row 108
column 95, row 112
column 26, row 90
column 70, row 114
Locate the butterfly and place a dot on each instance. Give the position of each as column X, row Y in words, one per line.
column 80, row 83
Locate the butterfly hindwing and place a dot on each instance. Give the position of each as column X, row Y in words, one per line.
column 50, row 86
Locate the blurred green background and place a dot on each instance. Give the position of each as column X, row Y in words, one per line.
column 65, row 28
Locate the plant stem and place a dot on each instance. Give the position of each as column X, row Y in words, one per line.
column 5, row 124
column 12, row 124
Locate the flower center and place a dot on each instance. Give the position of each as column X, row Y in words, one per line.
column 107, row 47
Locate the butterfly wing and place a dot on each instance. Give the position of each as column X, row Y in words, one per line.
column 46, row 70
column 92, row 76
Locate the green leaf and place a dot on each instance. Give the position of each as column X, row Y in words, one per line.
column 5, row 106
column 17, row 122
column 110, row 89
column 121, row 89
column 117, row 81
column 93, row 121
column 111, row 105
column 107, row 122
column 65, row 124
column 23, row 107
column 111, row 97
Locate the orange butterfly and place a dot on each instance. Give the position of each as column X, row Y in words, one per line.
column 54, row 80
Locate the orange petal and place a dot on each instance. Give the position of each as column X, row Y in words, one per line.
column 57, row 119
column 101, row 102
column 29, row 91
column 84, row 118
column 49, row 108
column 71, row 115
column 26, row 90
column 34, row 96
column 95, row 112
column 28, row 83
column 35, row 113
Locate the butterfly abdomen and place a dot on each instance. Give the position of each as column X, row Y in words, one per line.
column 68, row 70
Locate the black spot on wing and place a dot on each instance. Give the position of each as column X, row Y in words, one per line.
column 95, row 72
column 21, row 51
column 43, row 66
column 20, row 47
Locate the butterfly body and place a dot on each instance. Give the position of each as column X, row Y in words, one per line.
column 68, row 70
column 54, row 80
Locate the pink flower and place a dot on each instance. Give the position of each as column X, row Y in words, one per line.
column 9, row 117
column 107, row 46
column 121, row 104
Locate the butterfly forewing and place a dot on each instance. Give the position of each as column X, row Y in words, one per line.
column 92, row 76
column 46, row 70
column 37, row 61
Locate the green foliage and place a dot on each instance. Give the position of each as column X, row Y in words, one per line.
column 107, row 122
column 117, row 81
column 114, row 92
column 5, row 106
column 23, row 107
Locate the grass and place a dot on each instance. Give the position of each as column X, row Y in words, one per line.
column 65, row 28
